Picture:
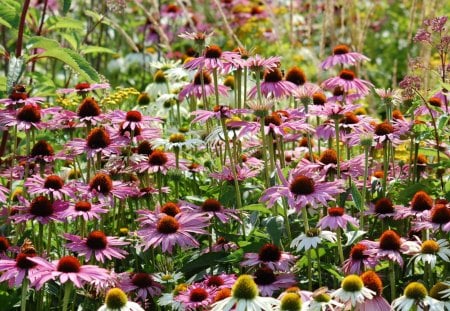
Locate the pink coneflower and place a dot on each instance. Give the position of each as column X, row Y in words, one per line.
column 169, row 231
column 40, row 209
column 419, row 207
column 383, row 208
column 436, row 108
column 97, row 245
column 219, row 281
column 198, row 37
column 84, row 87
column 3, row 194
column 337, row 218
column 195, row 88
column 342, row 55
column 15, row 270
column 242, row 173
column 42, row 152
column 213, row 58
column 19, row 97
column 269, row 282
column 97, row 141
column 339, row 96
column 301, row 190
column 389, row 247
column 359, row 260
column 332, row 110
column 26, row 118
column 88, row 112
column 132, row 119
column 258, row 63
column 271, row 256
column 214, row 209
column 373, row 282
column 438, row 218
column 103, row 186
column 67, row 268
column 159, row 161
column 84, row 209
column 384, row 132
column 273, row 85
column 218, row 112
column 4, row 247
column 195, row 297
column 141, row 283
column 51, row 185
column 348, row 82
column 223, row 245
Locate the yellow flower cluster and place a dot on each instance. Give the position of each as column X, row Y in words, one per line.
column 119, row 96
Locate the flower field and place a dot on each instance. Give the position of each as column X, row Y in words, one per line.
column 221, row 155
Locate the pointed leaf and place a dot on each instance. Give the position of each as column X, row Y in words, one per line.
column 15, row 70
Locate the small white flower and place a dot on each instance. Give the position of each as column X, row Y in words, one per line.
column 313, row 238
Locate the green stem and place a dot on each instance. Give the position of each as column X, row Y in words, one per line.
column 339, row 245
column 264, row 153
column 363, row 195
column 385, row 167
column 392, row 279
column 67, row 292
column 338, row 151
column 318, row 265
column 23, row 300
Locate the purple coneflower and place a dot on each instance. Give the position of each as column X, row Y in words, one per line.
column 195, row 88
column 26, row 118
column 271, row 256
column 3, row 194
column 384, row 132
column 301, row 190
column 101, row 185
column 97, row 245
column 219, row 281
column 389, row 247
column 213, row 58
column 141, row 283
column 269, row 282
column 15, row 270
column 258, row 63
column 65, row 269
column 88, row 112
column 196, row 296
column 342, row 55
column 97, row 141
column 419, row 207
column 169, row 231
column 273, row 85
column 242, row 173
column 84, row 209
column 360, row 259
column 40, row 209
column 159, row 161
column 348, row 82
column 51, row 185
column 19, row 97
column 84, row 87
column 337, row 218
column 214, row 209
column 438, row 218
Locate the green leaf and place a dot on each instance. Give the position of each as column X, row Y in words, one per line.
column 443, row 121
column 357, row 198
column 42, row 43
column 72, row 39
column 10, row 14
column 352, row 236
column 4, row 23
column 96, row 50
column 74, row 60
column 58, row 22
column 15, row 70
column 274, row 228
column 256, row 208
column 202, row 263
column 66, row 6
column 2, row 84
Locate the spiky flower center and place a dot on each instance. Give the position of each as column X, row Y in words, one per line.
column 264, row 276
column 384, row 206
column 302, row 185
column 323, row 297
column 319, row 99
column 341, row 49
column 272, row 119
column 116, row 299
column 53, row 182
column 83, row 206
column 422, row 159
column 373, row 282
column 177, row 138
column 133, row 116
column 157, row 158
column 245, row 288
column 144, row 148
column 198, row 294
column 211, row 205
column 222, row 294
column 357, row 252
column 435, row 291
column 213, row 51
column 336, row 211
column 159, row 77
column 349, row 118
column 4, row 244
column 384, row 128
column 167, row 225
column 440, row 214
column 296, row 76
column 269, row 253
column 215, row 280
column 98, row 138
column 313, row 232
column 329, row 156
column 352, row 283
column 142, row 280
column 273, row 76
column 68, row 264
column 102, row 183
column 22, row 261
column 82, row 86
column 421, row 202
column 416, row 291
column 42, row 148
column 429, row 247
column 347, row 75
column 206, row 78
column 41, row 206
column 88, row 108
column 29, row 113
column 170, row 208
column 390, row 240
column 291, row 302
column 338, row 91
column 96, row 240
column 435, row 102
column 397, row 115
column 143, row 99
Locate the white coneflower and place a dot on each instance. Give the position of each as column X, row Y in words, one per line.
column 353, row 289
column 312, row 238
column 245, row 297
column 116, row 300
column 441, row 291
column 430, row 250
column 416, row 295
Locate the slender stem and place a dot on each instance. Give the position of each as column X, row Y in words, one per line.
column 264, row 153
column 363, row 195
column 385, row 166
column 338, row 151
column 216, row 86
column 23, row 300
column 67, row 292
column 23, row 16
column 392, row 279
column 339, row 245
column 318, row 265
